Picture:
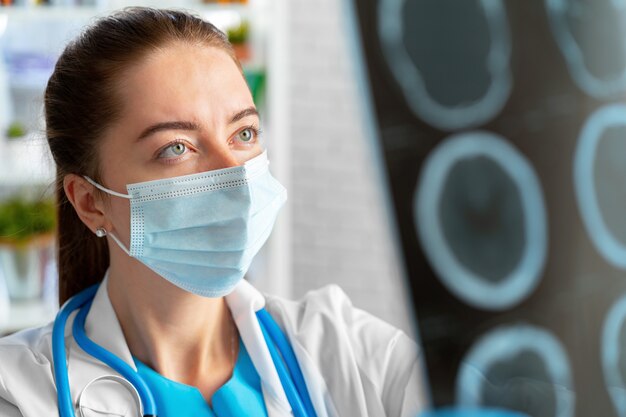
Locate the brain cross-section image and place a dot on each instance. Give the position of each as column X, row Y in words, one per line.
column 478, row 196
column 467, row 80
column 517, row 367
column 614, row 354
column 590, row 36
column 599, row 177
column 500, row 128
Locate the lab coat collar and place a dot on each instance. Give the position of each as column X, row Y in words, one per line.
column 103, row 327
column 244, row 302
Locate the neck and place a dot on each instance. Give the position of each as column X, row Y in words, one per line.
column 183, row 336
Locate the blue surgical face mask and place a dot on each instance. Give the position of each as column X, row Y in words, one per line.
column 201, row 231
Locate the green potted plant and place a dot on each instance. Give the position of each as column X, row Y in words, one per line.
column 238, row 37
column 26, row 241
column 16, row 130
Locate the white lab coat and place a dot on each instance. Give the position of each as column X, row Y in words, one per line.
column 353, row 364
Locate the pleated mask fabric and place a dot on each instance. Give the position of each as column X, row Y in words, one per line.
column 201, row 231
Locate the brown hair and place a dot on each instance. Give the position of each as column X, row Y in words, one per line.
column 80, row 104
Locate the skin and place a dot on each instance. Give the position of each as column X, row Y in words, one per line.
column 184, row 337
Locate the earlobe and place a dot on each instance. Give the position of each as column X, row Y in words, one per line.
column 83, row 198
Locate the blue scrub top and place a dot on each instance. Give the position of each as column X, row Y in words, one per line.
column 241, row 395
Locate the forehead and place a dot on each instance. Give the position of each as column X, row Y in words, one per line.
column 182, row 80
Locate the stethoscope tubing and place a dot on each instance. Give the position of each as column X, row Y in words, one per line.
column 288, row 386
column 97, row 351
column 61, row 377
column 269, row 326
column 83, row 302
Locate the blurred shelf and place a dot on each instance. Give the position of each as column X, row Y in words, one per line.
column 48, row 11
column 25, row 314
column 90, row 11
column 25, row 161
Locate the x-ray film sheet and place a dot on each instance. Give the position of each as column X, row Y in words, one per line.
column 501, row 130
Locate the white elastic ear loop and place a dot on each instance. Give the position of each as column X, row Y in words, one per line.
column 106, row 190
column 119, row 243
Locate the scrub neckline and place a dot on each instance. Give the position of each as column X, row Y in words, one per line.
column 145, row 368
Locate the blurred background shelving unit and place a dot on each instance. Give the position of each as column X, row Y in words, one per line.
column 31, row 38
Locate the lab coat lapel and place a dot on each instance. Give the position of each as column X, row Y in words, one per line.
column 101, row 326
column 316, row 386
column 318, row 392
column 243, row 303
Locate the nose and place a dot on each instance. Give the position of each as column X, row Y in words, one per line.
column 220, row 158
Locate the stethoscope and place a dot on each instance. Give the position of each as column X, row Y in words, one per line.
column 283, row 356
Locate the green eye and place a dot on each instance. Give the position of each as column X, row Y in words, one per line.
column 178, row 148
column 246, row 135
column 174, row 150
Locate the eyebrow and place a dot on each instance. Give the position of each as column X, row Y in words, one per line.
column 250, row 111
column 178, row 125
column 184, row 125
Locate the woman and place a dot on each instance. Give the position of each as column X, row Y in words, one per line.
column 164, row 197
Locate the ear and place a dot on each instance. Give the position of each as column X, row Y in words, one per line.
column 88, row 205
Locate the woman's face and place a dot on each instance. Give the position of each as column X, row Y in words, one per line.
column 186, row 109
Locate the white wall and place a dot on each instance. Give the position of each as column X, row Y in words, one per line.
column 339, row 233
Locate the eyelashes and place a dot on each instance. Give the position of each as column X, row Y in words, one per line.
column 256, row 134
column 180, row 148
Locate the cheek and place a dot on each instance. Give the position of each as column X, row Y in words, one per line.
column 244, row 155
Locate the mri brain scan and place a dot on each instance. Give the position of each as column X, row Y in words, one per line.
column 464, row 78
column 614, row 355
column 599, row 174
column 589, row 34
column 481, row 220
column 518, row 367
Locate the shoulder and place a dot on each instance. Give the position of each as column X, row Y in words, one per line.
column 330, row 311
column 26, row 365
column 358, row 354
column 327, row 301
column 35, row 343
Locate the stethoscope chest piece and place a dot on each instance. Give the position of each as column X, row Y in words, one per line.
column 105, row 391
